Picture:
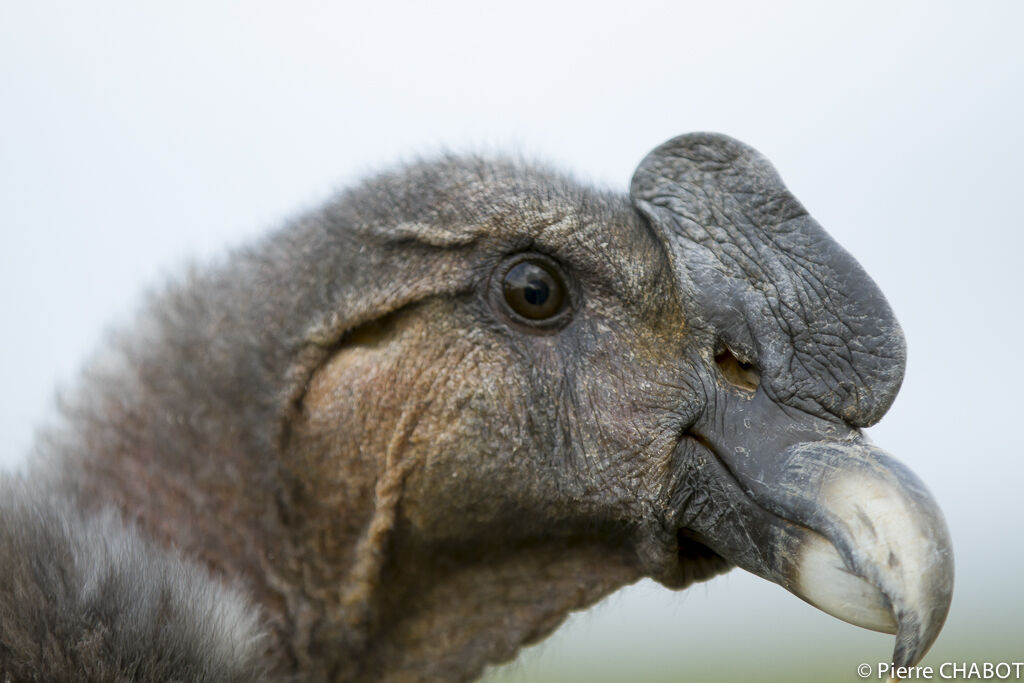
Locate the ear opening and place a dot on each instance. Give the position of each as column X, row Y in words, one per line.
column 322, row 345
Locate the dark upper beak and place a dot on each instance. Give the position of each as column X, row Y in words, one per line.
column 817, row 509
column 836, row 520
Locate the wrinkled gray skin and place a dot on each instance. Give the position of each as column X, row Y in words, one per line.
column 345, row 439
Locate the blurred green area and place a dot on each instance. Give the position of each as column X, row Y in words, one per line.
column 740, row 628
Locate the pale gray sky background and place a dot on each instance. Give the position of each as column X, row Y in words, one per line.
column 135, row 137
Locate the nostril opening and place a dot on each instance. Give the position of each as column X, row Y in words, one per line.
column 738, row 373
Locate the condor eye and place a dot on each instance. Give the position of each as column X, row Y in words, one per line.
column 534, row 289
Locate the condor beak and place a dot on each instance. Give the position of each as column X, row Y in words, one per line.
column 793, row 492
column 838, row 522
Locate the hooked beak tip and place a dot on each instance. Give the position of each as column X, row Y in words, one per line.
column 887, row 564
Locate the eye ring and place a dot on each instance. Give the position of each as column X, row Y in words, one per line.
column 532, row 291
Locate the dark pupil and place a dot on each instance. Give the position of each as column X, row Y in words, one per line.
column 536, row 292
column 533, row 290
